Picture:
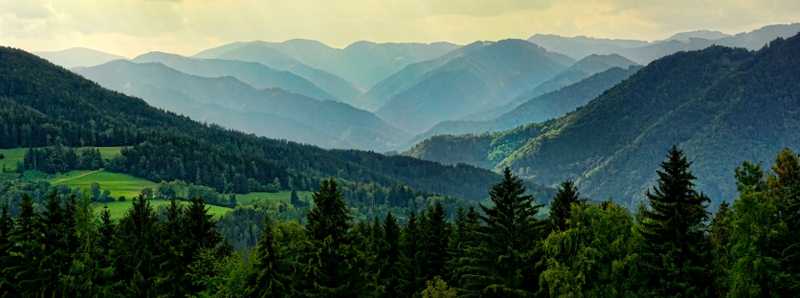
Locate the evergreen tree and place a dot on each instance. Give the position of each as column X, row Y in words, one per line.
column 25, row 253
column 6, row 224
column 331, row 266
column 389, row 257
column 463, row 243
column 269, row 276
column 200, row 234
column 56, row 255
column 411, row 280
column 673, row 227
column 561, row 205
column 435, row 236
column 172, row 245
column 509, row 237
column 136, row 264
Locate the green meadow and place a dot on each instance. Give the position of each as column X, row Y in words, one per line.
column 116, row 183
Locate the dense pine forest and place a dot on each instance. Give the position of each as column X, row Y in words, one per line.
column 670, row 247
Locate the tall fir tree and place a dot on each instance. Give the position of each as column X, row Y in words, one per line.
column 411, row 277
column 270, row 273
column 136, row 263
column 561, row 205
column 331, row 265
column 435, row 235
column 25, row 253
column 675, row 259
column 6, row 224
column 389, row 257
column 509, row 241
column 463, row 244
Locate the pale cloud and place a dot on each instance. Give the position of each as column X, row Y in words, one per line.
column 130, row 27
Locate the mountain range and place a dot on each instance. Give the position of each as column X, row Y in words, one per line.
column 76, row 57
column 478, row 76
column 721, row 105
column 538, row 109
column 644, row 52
column 232, row 103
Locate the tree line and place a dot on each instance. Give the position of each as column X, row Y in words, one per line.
column 671, row 247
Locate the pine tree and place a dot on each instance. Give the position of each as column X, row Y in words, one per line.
column 200, row 234
column 674, row 250
column 172, row 245
column 332, row 265
column 136, row 265
column 463, row 243
column 6, row 224
column 25, row 253
column 411, row 280
column 435, row 235
column 55, row 244
column 562, row 204
column 509, row 237
column 390, row 257
column 270, row 272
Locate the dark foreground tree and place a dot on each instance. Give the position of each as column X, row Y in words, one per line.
column 675, row 258
column 509, row 238
column 562, row 204
column 331, row 265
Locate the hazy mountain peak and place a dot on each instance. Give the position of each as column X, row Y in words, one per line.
column 702, row 34
column 78, row 56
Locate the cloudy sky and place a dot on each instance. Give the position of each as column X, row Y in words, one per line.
column 130, row 27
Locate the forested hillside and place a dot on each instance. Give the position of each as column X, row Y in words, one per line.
column 45, row 105
column 721, row 105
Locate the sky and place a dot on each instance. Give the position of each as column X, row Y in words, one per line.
column 132, row 27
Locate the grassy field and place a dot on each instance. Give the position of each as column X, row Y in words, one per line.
column 118, row 209
column 11, row 158
column 118, row 184
column 263, row 197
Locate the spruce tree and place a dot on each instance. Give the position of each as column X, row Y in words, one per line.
column 435, row 235
column 561, row 205
column 331, row 265
column 390, row 257
column 463, row 244
column 200, row 234
column 172, row 244
column 269, row 276
column 136, row 266
column 673, row 227
column 411, row 277
column 54, row 245
column 6, row 224
column 25, row 254
column 509, row 238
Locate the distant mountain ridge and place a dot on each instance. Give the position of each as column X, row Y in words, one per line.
column 478, row 76
column 721, row 105
column 264, row 53
column 255, row 74
column 76, row 57
column 644, row 52
column 538, row 109
column 232, row 103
